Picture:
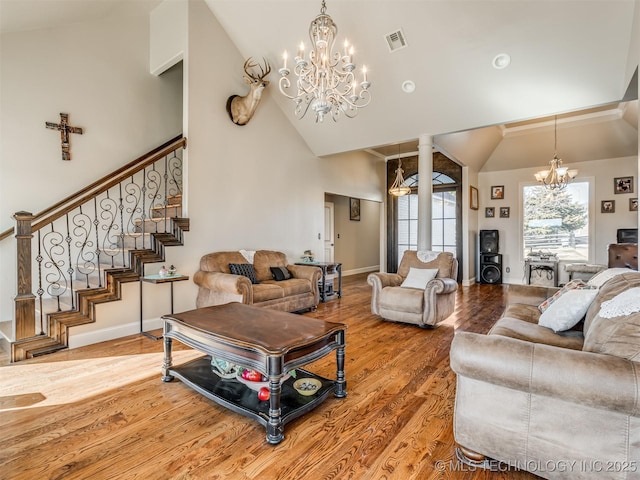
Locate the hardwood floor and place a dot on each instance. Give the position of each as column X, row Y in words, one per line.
column 102, row 412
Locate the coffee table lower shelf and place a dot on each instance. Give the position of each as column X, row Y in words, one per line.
column 239, row 398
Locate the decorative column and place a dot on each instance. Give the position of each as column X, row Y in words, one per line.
column 25, row 300
column 425, row 191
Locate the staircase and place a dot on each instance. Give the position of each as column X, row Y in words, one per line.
column 83, row 249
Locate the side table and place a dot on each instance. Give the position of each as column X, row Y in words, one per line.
column 158, row 279
column 325, row 267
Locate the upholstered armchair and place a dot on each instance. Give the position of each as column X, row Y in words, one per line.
column 423, row 292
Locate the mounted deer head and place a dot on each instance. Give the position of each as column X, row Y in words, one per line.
column 241, row 109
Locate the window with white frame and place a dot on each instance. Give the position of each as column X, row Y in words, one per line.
column 557, row 221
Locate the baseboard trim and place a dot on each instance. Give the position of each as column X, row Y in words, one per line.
column 111, row 333
column 468, row 282
column 356, row 271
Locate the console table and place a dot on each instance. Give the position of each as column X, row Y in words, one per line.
column 269, row 341
column 159, row 279
column 327, row 267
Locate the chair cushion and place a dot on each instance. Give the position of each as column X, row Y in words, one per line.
column 219, row 261
column 263, row 260
column 531, row 332
column 293, row 286
column 610, row 289
column 266, row 291
column 402, row 299
column 444, row 262
column 615, row 329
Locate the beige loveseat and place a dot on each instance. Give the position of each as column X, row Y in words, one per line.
column 217, row 285
column 561, row 405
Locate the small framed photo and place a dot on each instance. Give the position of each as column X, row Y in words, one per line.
column 497, row 192
column 504, row 212
column 607, row 206
column 473, row 198
column 354, row 209
column 633, row 204
column 489, row 212
column 623, row 185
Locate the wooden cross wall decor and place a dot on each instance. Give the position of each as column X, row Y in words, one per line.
column 65, row 130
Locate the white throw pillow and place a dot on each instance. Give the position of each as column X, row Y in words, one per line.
column 600, row 278
column 419, row 277
column 568, row 310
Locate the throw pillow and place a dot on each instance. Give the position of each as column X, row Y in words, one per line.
column 573, row 284
column 419, row 277
column 568, row 309
column 600, row 278
column 244, row 269
column 280, row 273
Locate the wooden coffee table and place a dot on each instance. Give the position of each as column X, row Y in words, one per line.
column 271, row 342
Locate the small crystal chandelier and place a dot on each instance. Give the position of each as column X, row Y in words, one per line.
column 326, row 82
column 557, row 177
column 399, row 189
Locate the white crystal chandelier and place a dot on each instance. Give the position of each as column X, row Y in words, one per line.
column 557, row 177
column 325, row 82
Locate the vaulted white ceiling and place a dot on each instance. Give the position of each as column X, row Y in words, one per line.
column 566, row 56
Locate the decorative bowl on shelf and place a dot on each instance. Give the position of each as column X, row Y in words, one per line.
column 307, row 386
column 258, row 385
column 223, row 369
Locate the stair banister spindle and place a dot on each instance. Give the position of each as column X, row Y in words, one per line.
column 66, row 246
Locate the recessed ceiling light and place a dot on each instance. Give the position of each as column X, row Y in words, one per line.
column 500, row 61
column 408, row 86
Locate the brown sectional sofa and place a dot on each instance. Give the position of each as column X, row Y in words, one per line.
column 217, row 285
column 561, row 405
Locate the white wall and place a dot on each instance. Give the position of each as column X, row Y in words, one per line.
column 247, row 187
column 256, row 186
column 604, row 224
column 98, row 72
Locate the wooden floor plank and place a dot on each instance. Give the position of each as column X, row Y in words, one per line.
column 102, row 411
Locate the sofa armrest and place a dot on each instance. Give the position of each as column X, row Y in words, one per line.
column 441, row 286
column 378, row 281
column 225, row 282
column 591, row 379
column 529, row 294
column 440, row 300
column 306, row 272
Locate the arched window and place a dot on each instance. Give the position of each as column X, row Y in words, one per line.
column 445, row 209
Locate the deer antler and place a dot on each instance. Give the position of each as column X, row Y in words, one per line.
column 263, row 72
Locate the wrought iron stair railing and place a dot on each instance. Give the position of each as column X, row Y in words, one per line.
column 77, row 253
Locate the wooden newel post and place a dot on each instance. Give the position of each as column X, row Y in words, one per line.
column 25, row 300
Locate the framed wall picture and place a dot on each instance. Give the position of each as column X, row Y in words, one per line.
column 607, row 206
column 354, row 209
column 504, row 212
column 633, row 204
column 623, row 185
column 497, row 192
column 490, row 212
column 473, row 198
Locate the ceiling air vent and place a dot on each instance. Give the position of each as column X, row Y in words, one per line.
column 396, row 40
